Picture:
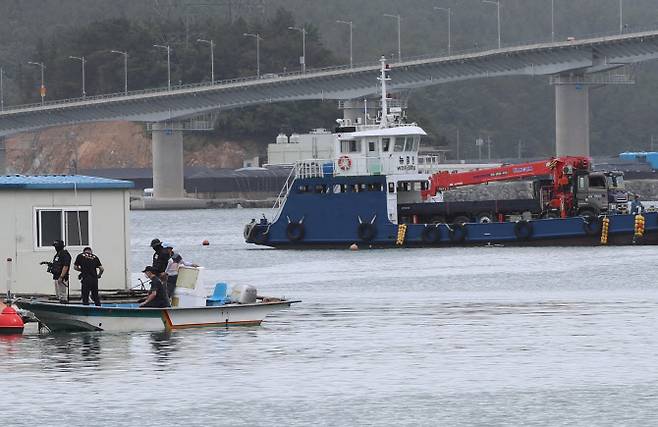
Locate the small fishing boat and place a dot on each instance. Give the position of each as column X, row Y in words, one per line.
column 192, row 308
column 130, row 317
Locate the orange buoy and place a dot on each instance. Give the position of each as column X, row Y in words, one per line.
column 205, row 243
column 10, row 322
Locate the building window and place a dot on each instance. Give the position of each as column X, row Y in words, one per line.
column 70, row 225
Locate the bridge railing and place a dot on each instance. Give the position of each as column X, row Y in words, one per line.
column 269, row 77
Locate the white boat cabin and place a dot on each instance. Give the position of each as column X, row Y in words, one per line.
column 377, row 151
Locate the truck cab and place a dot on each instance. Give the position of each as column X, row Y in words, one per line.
column 600, row 192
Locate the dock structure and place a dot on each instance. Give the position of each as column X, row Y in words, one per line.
column 572, row 66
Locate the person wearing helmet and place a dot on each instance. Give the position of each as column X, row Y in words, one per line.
column 60, row 271
column 91, row 269
column 160, row 256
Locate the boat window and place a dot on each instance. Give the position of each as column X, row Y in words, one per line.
column 416, row 143
column 391, row 187
column 350, row 146
column 72, row 226
column 337, row 189
column 399, row 144
column 386, row 142
column 302, row 189
column 375, row 187
column 403, row 186
column 354, row 188
column 372, row 146
column 320, row 189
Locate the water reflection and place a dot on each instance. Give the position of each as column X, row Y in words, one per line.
column 91, row 348
column 164, row 344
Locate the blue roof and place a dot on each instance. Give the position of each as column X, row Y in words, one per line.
column 61, row 182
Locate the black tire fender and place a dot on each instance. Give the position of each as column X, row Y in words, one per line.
column 592, row 225
column 366, row 231
column 458, row 233
column 295, row 231
column 523, row 230
column 259, row 235
column 431, row 234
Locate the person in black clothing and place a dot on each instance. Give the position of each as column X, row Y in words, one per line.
column 160, row 257
column 157, row 296
column 91, row 270
column 60, row 271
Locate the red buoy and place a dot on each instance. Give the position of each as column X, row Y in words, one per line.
column 10, row 322
column 205, row 243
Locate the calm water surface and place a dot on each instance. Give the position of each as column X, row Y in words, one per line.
column 477, row 336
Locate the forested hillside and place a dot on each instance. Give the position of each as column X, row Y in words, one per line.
column 512, row 111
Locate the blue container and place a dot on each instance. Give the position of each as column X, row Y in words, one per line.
column 328, row 168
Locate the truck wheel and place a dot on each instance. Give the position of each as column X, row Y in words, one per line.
column 461, row 219
column 485, row 218
column 587, row 213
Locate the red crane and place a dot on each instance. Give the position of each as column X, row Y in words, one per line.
column 560, row 169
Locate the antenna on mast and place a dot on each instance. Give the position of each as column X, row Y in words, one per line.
column 384, row 78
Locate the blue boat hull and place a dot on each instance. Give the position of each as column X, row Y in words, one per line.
column 319, row 217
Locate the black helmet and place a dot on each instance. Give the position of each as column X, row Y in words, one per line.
column 155, row 242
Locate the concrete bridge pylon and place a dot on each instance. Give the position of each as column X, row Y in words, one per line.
column 167, row 150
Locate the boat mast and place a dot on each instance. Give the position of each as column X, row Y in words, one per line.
column 383, row 78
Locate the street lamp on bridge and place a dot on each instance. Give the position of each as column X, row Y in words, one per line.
column 399, row 36
column 497, row 3
column 302, row 60
column 621, row 16
column 42, row 90
column 447, row 9
column 351, row 39
column 212, row 57
column 2, row 90
column 258, row 39
column 82, row 61
column 168, row 49
column 125, row 69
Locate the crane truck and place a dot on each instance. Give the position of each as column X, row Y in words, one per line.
column 562, row 187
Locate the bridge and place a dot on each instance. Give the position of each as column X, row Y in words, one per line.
column 572, row 65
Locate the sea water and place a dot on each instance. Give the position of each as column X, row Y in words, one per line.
column 439, row 336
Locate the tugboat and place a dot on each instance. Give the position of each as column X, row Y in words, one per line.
column 372, row 194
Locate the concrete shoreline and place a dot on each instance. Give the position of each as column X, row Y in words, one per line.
column 191, row 203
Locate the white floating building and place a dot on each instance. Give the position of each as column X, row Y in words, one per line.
column 81, row 210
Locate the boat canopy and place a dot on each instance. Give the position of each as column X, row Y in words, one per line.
column 392, row 131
